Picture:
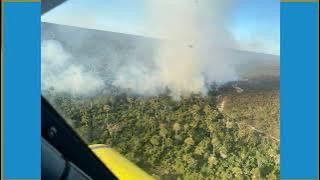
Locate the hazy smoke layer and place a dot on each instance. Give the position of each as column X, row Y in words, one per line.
column 189, row 59
column 59, row 73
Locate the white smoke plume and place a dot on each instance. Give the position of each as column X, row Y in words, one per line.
column 58, row 72
column 191, row 56
column 189, row 59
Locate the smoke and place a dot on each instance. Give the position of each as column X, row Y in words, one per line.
column 60, row 73
column 191, row 55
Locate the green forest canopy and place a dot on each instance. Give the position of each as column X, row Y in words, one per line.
column 186, row 139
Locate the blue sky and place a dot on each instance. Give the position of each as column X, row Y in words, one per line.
column 254, row 24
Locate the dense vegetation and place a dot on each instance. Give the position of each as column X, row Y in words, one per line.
column 186, row 139
column 258, row 105
column 258, row 109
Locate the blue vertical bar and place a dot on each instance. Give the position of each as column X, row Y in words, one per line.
column 21, row 62
column 299, row 90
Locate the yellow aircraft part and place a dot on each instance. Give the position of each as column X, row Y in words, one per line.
column 121, row 167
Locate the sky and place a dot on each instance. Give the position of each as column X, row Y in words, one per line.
column 254, row 24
